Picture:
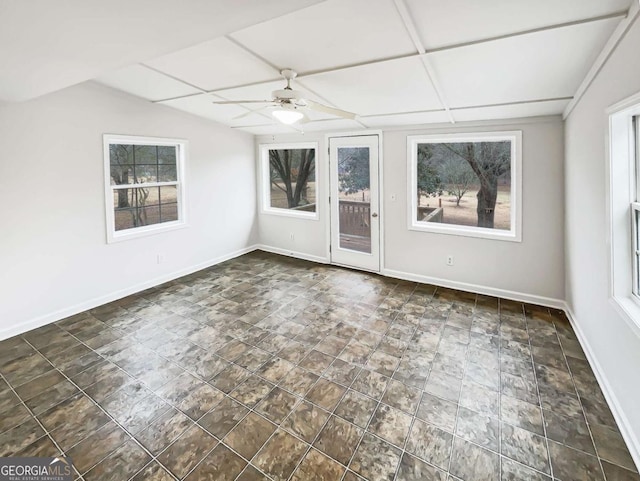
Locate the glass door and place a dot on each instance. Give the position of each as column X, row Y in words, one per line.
column 355, row 220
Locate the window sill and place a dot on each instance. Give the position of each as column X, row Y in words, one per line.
column 136, row 233
column 291, row 213
column 629, row 309
column 477, row 232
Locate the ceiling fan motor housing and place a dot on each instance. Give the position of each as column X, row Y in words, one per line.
column 286, row 94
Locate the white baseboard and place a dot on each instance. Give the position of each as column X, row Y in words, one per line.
column 290, row 253
column 477, row 289
column 629, row 436
column 113, row 296
column 623, row 423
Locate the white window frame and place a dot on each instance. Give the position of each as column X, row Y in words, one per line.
column 135, row 232
column 623, row 188
column 514, row 234
column 265, row 179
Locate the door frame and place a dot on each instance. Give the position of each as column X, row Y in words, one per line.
column 325, row 154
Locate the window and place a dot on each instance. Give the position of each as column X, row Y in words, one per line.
column 466, row 184
column 624, row 208
column 289, row 179
column 144, row 185
column 635, row 206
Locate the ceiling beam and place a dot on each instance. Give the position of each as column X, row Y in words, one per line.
column 556, row 26
column 202, row 91
column 613, row 42
column 302, row 75
column 503, row 104
column 410, row 27
column 506, row 104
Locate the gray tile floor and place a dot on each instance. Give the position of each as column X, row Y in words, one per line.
column 266, row 367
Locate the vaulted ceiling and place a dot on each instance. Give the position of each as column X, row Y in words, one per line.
column 47, row 45
column 393, row 62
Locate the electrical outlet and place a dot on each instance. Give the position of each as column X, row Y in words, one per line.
column 292, row 236
column 449, row 260
column 160, row 258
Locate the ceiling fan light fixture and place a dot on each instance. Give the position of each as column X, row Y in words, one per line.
column 287, row 116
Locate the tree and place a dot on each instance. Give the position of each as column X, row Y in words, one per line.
column 428, row 179
column 489, row 161
column 353, row 169
column 292, row 167
column 458, row 176
column 123, row 161
column 120, row 158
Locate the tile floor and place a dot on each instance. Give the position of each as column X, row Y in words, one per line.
column 266, row 367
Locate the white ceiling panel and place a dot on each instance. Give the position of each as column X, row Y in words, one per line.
column 271, row 129
column 330, row 34
column 333, row 124
column 258, row 118
column 348, row 43
column 443, row 23
column 203, row 106
column 536, row 66
column 216, row 64
column 414, row 118
column 146, row 83
column 554, row 107
column 396, row 86
column 49, row 45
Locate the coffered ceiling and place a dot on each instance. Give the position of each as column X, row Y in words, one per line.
column 393, row 62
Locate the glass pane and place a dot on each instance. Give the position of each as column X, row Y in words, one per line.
column 636, row 125
column 636, row 248
column 354, row 201
column 149, row 196
column 121, row 174
column 168, row 194
column 451, row 191
column 141, row 206
column 120, row 154
column 123, row 198
column 167, row 155
column 293, row 184
column 146, row 154
column 146, row 173
column 169, row 212
column 124, row 219
column 148, row 215
column 167, row 173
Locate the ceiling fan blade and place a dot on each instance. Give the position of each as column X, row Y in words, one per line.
column 330, row 110
column 222, row 102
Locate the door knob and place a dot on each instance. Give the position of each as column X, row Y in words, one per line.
column 374, row 215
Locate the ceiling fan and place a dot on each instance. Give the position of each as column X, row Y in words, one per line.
column 290, row 103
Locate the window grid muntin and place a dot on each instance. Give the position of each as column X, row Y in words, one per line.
column 170, row 214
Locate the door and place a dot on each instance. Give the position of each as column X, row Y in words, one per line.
column 355, row 220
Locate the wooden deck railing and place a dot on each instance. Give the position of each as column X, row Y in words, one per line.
column 355, row 218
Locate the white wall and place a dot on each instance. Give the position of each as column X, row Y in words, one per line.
column 53, row 253
column 310, row 236
column 531, row 270
column 612, row 344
